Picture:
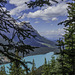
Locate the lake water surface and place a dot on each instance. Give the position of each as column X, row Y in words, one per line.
column 39, row 60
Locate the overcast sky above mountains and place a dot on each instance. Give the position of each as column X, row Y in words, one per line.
column 44, row 19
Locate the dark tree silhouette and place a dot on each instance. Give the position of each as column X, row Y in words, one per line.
column 40, row 3
column 68, row 53
column 9, row 31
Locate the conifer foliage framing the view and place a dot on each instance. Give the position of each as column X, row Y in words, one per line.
column 41, row 3
column 67, row 44
column 9, row 31
column 64, row 65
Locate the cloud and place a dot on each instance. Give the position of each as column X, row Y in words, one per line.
column 36, row 21
column 23, row 16
column 49, row 12
column 53, row 34
column 18, row 2
column 54, row 19
column 4, row 8
column 45, row 13
column 20, row 6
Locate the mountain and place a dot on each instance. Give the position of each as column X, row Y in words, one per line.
column 38, row 41
column 44, row 44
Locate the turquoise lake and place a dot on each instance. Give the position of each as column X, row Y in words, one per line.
column 39, row 60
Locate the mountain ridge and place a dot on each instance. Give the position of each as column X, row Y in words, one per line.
column 44, row 45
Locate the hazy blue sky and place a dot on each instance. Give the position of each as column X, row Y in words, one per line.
column 44, row 19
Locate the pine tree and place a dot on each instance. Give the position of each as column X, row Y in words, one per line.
column 16, row 68
column 68, row 56
column 52, row 66
column 70, row 39
column 9, row 25
column 45, row 70
column 33, row 68
column 62, row 56
column 13, row 70
column 57, row 67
